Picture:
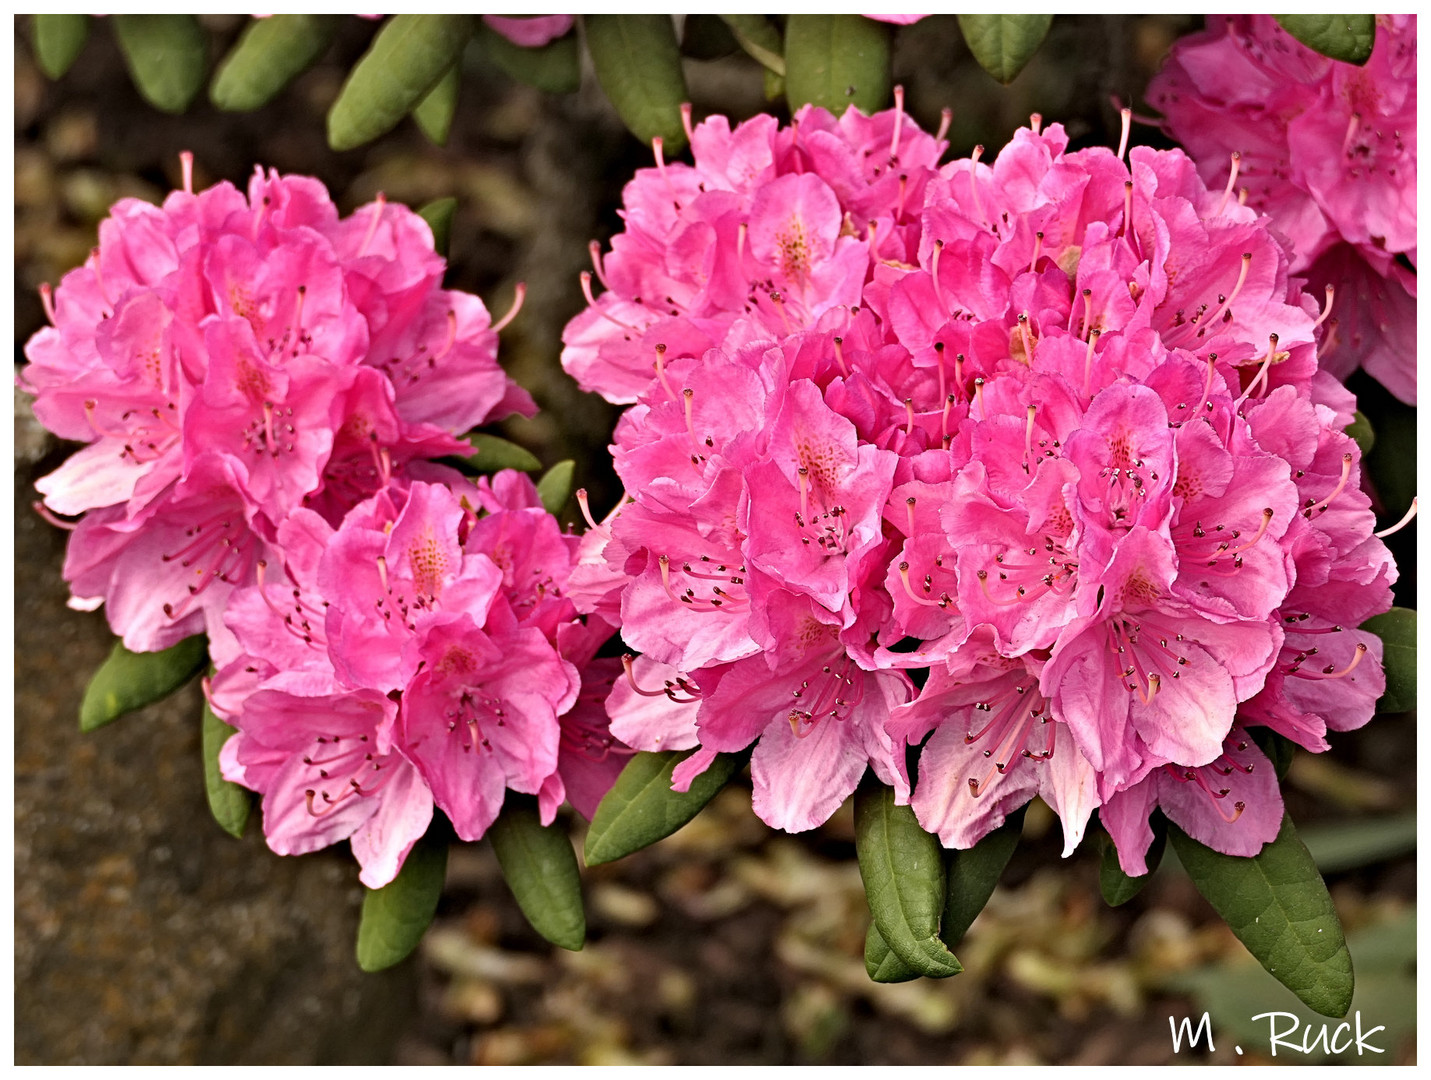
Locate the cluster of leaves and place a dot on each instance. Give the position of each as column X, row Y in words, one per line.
column 414, row 63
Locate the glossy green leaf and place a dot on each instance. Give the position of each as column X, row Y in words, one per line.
column 229, row 802
column 638, row 64
column 554, row 488
column 435, row 111
column 1003, row 44
column 1342, row 37
column 641, row 808
column 406, row 60
column 1117, row 887
column 759, row 38
column 129, row 681
column 396, row 916
column 438, row 215
column 881, row 965
column 540, row 867
column 554, row 68
column 270, row 54
column 490, row 453
column 1278, row 906
column 706, row 37
column 835, row 61
column 57, row 40
column 1360, row 430
column 973, row 875
column 1397, row 630
column 166, row 56
column 902, row 867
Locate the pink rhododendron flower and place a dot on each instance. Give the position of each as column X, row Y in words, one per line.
column 422, row 653
column 1051, row 426
column 1328, row 150
column 232, row 359
column 530, row 31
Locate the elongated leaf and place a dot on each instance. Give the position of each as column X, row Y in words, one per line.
column 554, row 68
column 490, row 454
column 435, row 111
column 129, row 681
column 638, row 64
column 270, row 54
column 1117, row 887
column 1342, row 37
column 58, row 40
column 1360, row 429
column 406, row 60
column 229, row 802
column 972, row 875
column 835, row 61
column 554, row 487
column 166, row 56
column 1003, row 44
column 706, row 37
column 641, row 808
column 438, row 215
column 1346, row 845
column 1278, row 906
column 902, row 867
column 881, row 965
column 759, row 38
column 540, row 867
column 396, row 916
column 1397, row 630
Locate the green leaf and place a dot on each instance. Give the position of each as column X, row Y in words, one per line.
column 57, row 40
column 129, row 681
column 1278, row 906
column 396, row 916
column 166, row 56
column 641, row 808
column 229, row 802
column 554, row 68
column 1117, row 887
column 706, row 37
column 270, row 54
column 973, row 874
column 1360, row 430
column 1397, row 630
column 490, row 454
column 540, row 867
column 406, row 60
column 774, row 86
column 554, row 488
column 759, row 38
column 902, row 867
column 438, row 215
column 1342, row 37
column 835, row 61
column 1003, row 44
column 638, row 64
column 881, row 965
column 435, row 111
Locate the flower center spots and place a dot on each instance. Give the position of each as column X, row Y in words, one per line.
column 343, row 768
column 794, row 251
column 1014, row 715
column 429, row 565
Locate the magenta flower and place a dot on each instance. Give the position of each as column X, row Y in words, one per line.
column 1328, row 150
column 230, row 360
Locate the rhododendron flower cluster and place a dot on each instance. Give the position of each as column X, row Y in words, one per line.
column 1050, row 427
column 231, row 361
column 423, row 652
column 1328, row 150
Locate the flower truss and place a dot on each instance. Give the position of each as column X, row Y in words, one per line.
column 1051, row 427
column 1328, row 150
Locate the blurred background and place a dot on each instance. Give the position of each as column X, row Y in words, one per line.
column 144, row 934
